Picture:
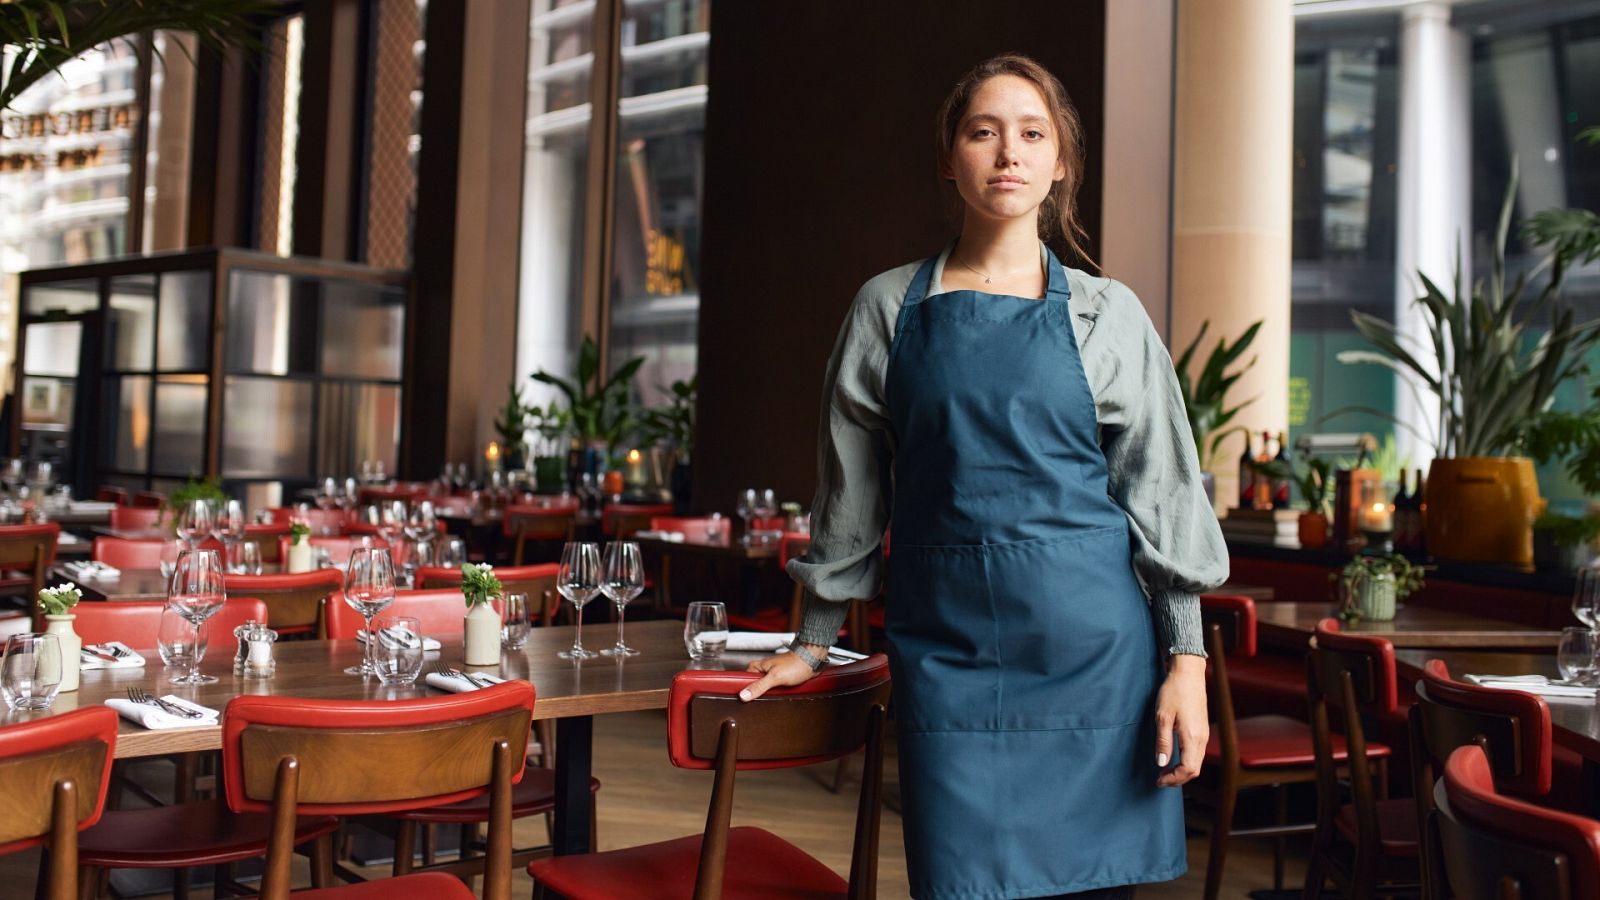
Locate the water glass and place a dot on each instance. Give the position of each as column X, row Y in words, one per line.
column 745, row 506
column 30, row 673
column 578, row 580
column 169, row 557
column 622, row 580
column 514, row 615
column 196, row 521
column 714, row 528
column 249, row 556
column 396, row 649
column 1575, row 656
column 180, row 646
column 765, row 508
column 228, row 526
column 197, row 592
column 1586, row 596
column 705, row 630
column 451, row 553
column 369, row 589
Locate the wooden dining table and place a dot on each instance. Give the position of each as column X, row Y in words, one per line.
column 1288, row 624
column 130, row 584
column 570, row 692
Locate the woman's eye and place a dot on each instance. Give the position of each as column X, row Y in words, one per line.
column 1034, row 133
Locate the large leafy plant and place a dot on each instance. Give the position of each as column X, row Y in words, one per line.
column 40, row 36
column 1205, row 397
column 674, row 423
column 600, row 410
column 511, row 424
column 1573, row 235
column 1490, row 383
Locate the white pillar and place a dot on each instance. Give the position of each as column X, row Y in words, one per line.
column 1433, row 193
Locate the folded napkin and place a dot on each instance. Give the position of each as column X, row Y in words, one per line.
column 671, row 537
column 128, row 658
column 91, row 506
column 455, row 684
column 86, row 570
column 778, row 642
column 156, row 719
column 428, row 643
column 1534, row 684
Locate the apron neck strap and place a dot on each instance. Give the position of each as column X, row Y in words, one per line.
column 1056, row 287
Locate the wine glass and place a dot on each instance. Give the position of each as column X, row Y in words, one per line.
column 622, row 580
column 196, row 521
column 1575, row 656
column 1586, row 597
column 422, row 526
column 229, row 526
column 391, row 519
column 351, row 495
column 746, row 507
column 328, row 494
column 369, row 589
column 196, row 593
column 16, row 472
column 578, row 580
column 765, row 508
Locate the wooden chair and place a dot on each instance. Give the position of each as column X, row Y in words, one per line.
column 270, row 538
column 1369, row 846
column 525, row 522
column 26, row 554
column 136, row 622
column 107, row 493
column 1251, row 752
column 1497, row 847
column 149, row 499
column 294, row 601
column 537, row 581
column 127, row 553
column 135, row 518
column 618, row 521
column 708, row 727
column 284, row 756
column 322, row 522
column 338, row 547
column 54, row 772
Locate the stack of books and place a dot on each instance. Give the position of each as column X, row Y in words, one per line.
column 1277, row 527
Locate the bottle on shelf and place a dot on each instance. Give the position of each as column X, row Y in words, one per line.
column 1280, row 485
column 1263, row 484
column 1247, row 476
column 1402, row 517
column 1419, row 509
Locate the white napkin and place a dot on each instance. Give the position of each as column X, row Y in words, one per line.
column 157, row 719
column 89, row 570
column 428, row 643
column 1533, row 684
column 91, row 506
column 455, row 684
column 760, row 641
column 90, row 661
column 671, row 537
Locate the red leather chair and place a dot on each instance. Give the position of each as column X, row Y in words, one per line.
column 270, row 538
column 136, row 622
column 621, row 520
column 409, row 492
column 106, row 493
column 127, row 553
column 26, row 554
column 321, row 521
column 787, row 617
column 523, row 522
column 338, row 547
column 283, row 756
column 537, row 581
column 135, row 518
column 1497, row 847
column 693, row 528
column 1254, row 751
column 708, row 727
column 1370, row 845
column 55, row 771
column 439, row 612
column 149, row 499
column 293, row 601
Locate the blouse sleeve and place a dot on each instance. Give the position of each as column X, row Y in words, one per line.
column 1178, row 550
column 854, row 451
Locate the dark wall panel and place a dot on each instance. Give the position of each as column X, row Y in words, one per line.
column 819, row 174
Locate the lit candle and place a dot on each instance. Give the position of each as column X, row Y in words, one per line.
column 1378, row 517
column 492, row 456
column 635, row 473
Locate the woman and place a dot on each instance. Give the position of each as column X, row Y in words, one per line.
column 1046, row 501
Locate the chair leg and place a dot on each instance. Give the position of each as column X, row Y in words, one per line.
column 1280, row 844
column 180, row 884
column 88, row 882
column 594, row 823
column 1221, row 830
column 1314, row 875
column 322, row 862
column 405, row 842
column 430, row 845
column 841, row 770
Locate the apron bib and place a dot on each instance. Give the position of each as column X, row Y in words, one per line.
column 1022, row 647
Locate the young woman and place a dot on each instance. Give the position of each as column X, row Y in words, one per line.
column 1050, row 532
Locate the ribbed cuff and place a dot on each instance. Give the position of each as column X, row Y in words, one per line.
column 1177, row 618
column 820, row 620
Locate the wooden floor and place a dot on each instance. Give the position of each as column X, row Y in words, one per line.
column 644, row 799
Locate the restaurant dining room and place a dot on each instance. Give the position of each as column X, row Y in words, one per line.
column 938, row 449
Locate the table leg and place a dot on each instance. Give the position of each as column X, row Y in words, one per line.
column 574, row 813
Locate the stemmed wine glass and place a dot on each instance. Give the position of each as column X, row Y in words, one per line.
column 229, row 528
column 196, row 521
column 351, row 495
column 1586, row 597
column 622, row 580
column 328, row 494
column 765, row 508
column 196, row 592
column 578, row 580
column 746, row 507
column 422, row 526
column 369, row 589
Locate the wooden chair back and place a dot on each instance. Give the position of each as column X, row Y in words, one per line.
column 621, row 520
column 1350, row 676
column 1497, row 847
column 137, row 622
column 294, row 601
column 270, row 538
column 537, row 581
column 107, row 493
column 291, row 757
column 320, row 521
column 135, row 518
column 438, row 611
column 55, row 772
column 523, row 522
column 837, row 712
column 1230, row 627
column 31, row 548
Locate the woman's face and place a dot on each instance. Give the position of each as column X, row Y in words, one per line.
column 1006, row 153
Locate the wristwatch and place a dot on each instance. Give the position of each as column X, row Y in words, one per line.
column 805, row 656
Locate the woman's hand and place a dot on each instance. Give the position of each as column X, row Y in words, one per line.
column 1181, row 707
column 782, row 670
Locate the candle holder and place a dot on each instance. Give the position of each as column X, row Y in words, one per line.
column 1379, row 542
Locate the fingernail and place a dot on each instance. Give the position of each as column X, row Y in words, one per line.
column 1161, row 759
column 744, row 694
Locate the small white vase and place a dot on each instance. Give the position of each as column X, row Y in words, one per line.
column 71, row 648
column 481, row 627
column 299, row 559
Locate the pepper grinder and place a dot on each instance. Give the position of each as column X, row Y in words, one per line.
column 242, row 634
column 259, row 663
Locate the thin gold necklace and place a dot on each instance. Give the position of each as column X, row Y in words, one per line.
column 968, row 265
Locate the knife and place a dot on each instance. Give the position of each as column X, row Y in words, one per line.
column 98, row 654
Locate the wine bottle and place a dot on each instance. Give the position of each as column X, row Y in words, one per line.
column 1280, row 485
column 1247, row 476
column 1263, row 484
column 1419, row 509
column 1402, row 517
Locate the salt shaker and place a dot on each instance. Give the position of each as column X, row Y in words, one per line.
column 259, row 663
column 242, row 634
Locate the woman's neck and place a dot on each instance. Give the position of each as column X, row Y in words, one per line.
column 999, row 249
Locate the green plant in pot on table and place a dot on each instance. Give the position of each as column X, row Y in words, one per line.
column 1492, row 378
column 600, row 411
column 1205, row 396
column 208, row 489
column 673, row 426
column 481, row 627
column 1311, row 476
column 56, row 605
column 1371, row 585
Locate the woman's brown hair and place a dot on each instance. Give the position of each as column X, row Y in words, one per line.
column 1059, row 211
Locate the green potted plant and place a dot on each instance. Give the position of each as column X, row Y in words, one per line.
column 600, row 411
column 1310, row 476
column 511, row 424
column 208, row 489
column 1562, row 540
column 673, row 425
column 551, row 424
column 1205, row 396
column 56, row 605
column 1373, row 583
column 1492, row 379
column 481, row 626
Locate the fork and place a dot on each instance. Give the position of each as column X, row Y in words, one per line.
column 470, row 678
column 142, row 696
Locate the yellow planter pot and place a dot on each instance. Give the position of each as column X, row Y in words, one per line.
column 1481, row 509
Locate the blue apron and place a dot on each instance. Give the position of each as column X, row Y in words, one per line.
column 1021, row 643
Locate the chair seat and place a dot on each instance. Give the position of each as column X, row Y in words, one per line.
column 760, row 865
column 198, row 833
column 534, row 794
column 427, row 885
column 1273, row 741
column 1397, row 826
column 1268, row 684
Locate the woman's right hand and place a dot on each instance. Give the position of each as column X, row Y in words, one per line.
column 782, row 670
